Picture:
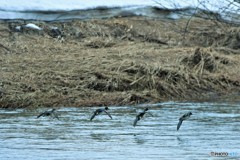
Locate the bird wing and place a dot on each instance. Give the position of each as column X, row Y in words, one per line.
column 135, row 121
column 55, row 116
column 179, row 124
column 108, row 114
column 150, row 114
column 40, row 114
column 94, row 114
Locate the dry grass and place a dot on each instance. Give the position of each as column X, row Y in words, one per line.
column 116, row 62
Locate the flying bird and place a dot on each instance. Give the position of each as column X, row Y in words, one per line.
column 100, row 110
column 139, row 116
column 183, row 118
column 49, row 113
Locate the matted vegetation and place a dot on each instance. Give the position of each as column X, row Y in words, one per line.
column 117, row 61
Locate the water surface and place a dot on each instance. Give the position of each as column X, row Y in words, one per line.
column 213, row 127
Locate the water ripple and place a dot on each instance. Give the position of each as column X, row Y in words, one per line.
column 213, row 127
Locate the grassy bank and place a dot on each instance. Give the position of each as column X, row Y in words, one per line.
column 117, row 61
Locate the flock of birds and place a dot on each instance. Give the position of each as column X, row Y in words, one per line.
column 104, row 110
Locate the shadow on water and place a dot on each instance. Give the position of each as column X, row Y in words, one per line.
column 213, row 127
column 139, row 140
column 100, row 137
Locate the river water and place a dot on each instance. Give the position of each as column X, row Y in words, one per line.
column 212, row 130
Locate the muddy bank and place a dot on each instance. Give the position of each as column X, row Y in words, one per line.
column 117, row 61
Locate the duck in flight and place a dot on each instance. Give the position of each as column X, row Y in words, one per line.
column 49, row 113
column 183, row 118
column 139, row 117
column 100, row 110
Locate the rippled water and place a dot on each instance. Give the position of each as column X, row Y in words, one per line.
column 213, row 127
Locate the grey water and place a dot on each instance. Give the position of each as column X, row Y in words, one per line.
column 212, row 131
column 157, row 12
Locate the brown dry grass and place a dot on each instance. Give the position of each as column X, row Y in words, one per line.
column 117, row 61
